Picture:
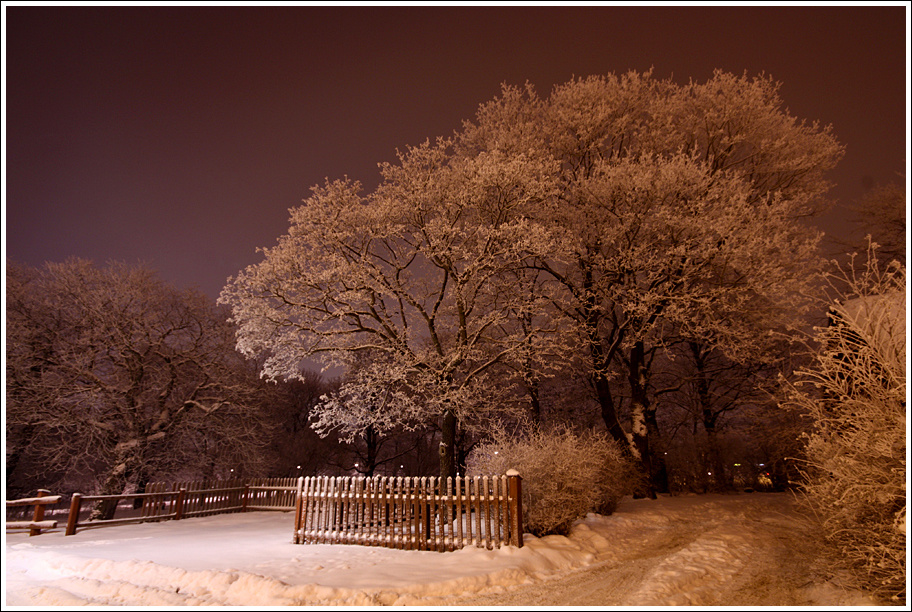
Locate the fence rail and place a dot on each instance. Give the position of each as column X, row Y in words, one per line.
column 174, row 501
column 410, row 513
column 37, row 523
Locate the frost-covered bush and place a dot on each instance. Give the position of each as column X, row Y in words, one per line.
column 856, row 394
column 565, row 474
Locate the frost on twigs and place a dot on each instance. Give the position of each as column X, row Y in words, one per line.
column 565, row 474
column 855, row 392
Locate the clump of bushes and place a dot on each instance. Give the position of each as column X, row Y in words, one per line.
column 565, row 474
column 855, row 393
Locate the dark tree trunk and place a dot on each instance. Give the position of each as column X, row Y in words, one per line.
column 372, row 442
column 658, row 469
column 609, row 412
column 639, row 401
column 114, row 484
column 448, row 445
column 719, row 479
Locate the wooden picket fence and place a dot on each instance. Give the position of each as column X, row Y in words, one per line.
column 410, row 513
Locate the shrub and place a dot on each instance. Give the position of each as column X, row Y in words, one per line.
column 855, row 393
column 565, row 474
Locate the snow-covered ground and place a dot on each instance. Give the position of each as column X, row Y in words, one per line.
column 748, row 549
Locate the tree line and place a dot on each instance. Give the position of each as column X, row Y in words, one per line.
column 626, row 255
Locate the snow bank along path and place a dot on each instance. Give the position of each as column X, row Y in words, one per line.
column 744, row 549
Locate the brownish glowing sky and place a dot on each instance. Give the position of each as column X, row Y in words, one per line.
column 180, row 137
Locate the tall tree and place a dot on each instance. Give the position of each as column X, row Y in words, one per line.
column 421, row 272
column 112, row 372
column 677, row 204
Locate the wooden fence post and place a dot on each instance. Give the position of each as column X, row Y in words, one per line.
column 299, row 510
column 179, row 506
column 516, row 522
column 246, row 494
column 73, row 518
column 38, row 515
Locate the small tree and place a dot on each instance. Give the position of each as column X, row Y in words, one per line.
column 855, row 392
column 565, row 474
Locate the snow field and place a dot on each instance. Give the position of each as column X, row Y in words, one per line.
column 695, row 545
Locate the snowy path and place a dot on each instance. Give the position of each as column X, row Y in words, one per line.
column 736, row 551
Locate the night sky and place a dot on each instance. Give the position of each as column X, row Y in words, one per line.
column 180, row 136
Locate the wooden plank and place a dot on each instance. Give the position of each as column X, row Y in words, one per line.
column 388, row 521
column 460, row 541
column 400, row 515
column 305, row 507
column 352, row 516
column 30, row 524
column 333, row 510
column 319, row 515
column 479, row 513
column 448, row 514
column 34, row 501
column 487, row 517
column 434, row 513
column 440, row 516
column 497, row 498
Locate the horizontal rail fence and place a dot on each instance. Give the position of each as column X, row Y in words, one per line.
column 173, row 501
column 167, row 503
column 408, row 513
column 202, row 498
column 37, row 523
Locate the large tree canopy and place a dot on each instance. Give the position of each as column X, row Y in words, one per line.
column 114, row 373
column 587, row 226
column 680, row 210
column 426, row 273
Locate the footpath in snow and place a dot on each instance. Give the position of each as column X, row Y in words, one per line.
column 747, row 549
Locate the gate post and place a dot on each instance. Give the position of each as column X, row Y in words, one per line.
column 516, row 522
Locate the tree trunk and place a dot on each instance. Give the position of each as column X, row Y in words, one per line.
column 372, row 442
column 609, row 413
column 719, row 479
column 639, row 404
column 658, row 469
column 114, row 484
column 534, row 402
column 448, row 445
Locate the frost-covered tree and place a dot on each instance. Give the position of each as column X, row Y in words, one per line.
column 678, row 206
column 585, row 226
column 111, row 372
column 427, row 272
column 855, row 393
